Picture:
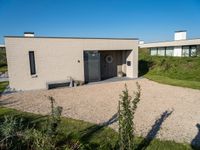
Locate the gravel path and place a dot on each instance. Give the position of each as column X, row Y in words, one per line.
column 165, row 112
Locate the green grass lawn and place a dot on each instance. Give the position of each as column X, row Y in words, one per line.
column 178, row 71
column 97, row 137
column 3, row 69
column 3, row 85
column 175, row 82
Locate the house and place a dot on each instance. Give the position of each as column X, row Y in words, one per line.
column 2, row 47
column 180, row 47
column 37, row 62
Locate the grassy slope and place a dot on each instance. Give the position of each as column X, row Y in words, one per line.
column 170, row 70
column 3, row 69
column 3, row 61
column 92, row 134
column 3, row 85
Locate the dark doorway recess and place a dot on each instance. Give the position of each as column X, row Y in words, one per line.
column 104, row 64
column 110, row 60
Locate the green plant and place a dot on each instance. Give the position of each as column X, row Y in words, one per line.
column 75, row 145
column 38, row 140
column 13, row 135
column 54, row 118
column 126, row 111
column 10, row 132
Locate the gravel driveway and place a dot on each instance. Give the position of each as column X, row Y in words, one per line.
column 165, row 111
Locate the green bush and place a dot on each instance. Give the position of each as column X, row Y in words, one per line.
column 11, row 132
column 126, row 111
column 38, row 140
column 13, row 135
column 55, row 118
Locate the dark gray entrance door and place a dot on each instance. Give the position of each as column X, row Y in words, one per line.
column 92, row 66
column 109, row 62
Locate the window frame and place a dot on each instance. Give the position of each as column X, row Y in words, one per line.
column 32, row 62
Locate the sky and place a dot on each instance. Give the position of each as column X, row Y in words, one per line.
column 148, row 20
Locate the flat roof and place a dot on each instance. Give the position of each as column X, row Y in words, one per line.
column 1, row 45
column 72, row 37
column 171, row 43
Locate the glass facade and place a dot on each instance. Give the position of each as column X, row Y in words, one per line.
column 189, row 51
column 185, row 51
column 193, row 51
column 169, row 51
column 198, row 50
column 153, row 51
column 161, row 51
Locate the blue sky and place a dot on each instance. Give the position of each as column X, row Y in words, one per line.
column 149, row 20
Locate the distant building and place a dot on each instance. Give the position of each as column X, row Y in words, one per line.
column 2, row 47
column 180, row 47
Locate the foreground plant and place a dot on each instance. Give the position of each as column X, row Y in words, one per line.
column 10, row 132
column 54, row 118
column 14, row 135
column 126, row 111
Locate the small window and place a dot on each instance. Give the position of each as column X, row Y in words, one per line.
column 32, row 62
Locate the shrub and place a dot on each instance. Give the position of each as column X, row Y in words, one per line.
column 126, row 111
column 10, row 132
column 55, row 117
column 13, row 135
column 38, row 140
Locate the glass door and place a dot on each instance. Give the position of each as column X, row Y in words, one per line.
column 92, row 66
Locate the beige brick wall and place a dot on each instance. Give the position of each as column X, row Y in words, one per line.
column 57, row 58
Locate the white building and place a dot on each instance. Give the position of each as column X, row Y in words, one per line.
column 36, row 62
column 180, row 47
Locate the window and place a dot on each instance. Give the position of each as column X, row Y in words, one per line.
column 32, row 62
column 193, row 51
column 153, row 51
column 169, row 51
column 161, row 51
column 186, row 51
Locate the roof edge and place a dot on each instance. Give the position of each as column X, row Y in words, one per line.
column 170, row 41
column 2, row 45
column 180, row 31
column 72, row 37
